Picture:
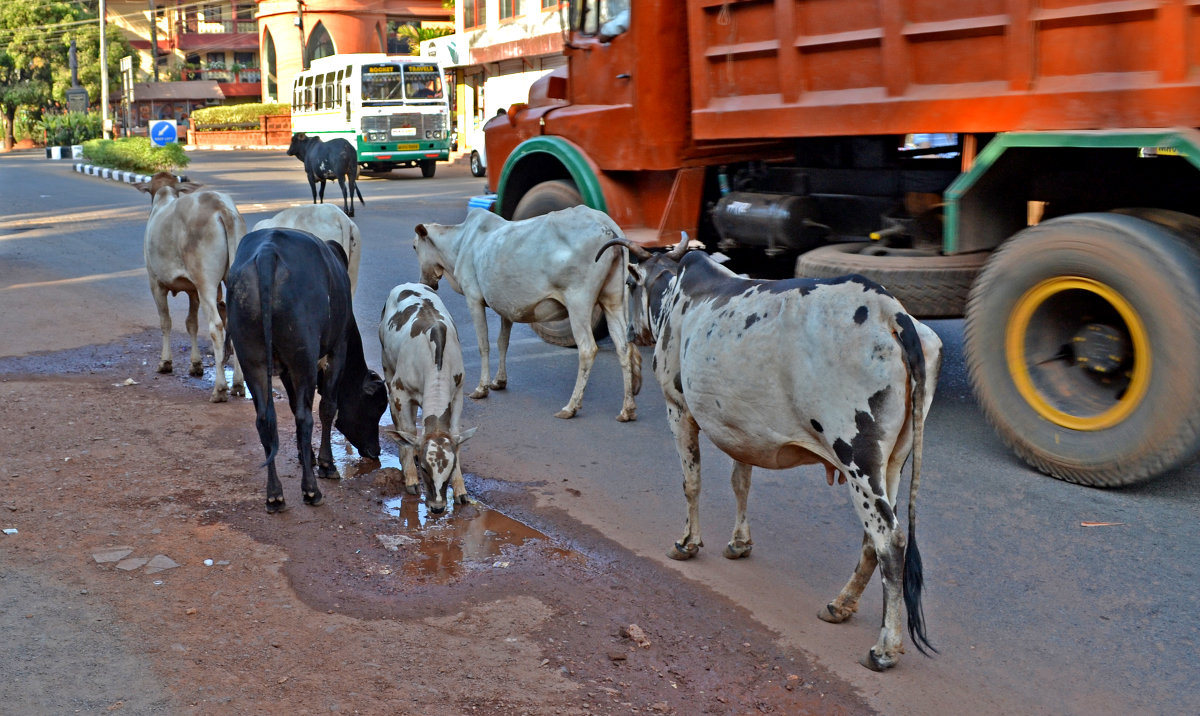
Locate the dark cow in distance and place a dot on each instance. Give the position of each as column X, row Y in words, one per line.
column 290, row 310
column 797, row 372
column 335, row 159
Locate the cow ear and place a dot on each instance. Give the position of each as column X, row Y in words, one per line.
column 403, row 437
column 421, row 231
column 142, row 186
column 462, row 437
column 187, row 187
column 372, row 384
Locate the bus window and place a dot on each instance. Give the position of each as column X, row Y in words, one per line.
column 330, row 102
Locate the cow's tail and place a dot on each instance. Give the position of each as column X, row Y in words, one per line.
column 635, row 357
column 265, row 263
column 914, row 579
column 235, row 228
column 359, row 192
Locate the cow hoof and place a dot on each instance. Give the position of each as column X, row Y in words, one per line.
column 737, row 550
column 875, row 663
column 165, row 366
column 313, row 498
column 238, row 391
column 411, row 489
column 463, row 499
column 565, row 414
column 627, row 416
column 275, row 504
column 328, row 472
column 833, row 615
column 478, row 394
column 499, row 384
column 219, row 396
column 196, row 371
column 682, row 552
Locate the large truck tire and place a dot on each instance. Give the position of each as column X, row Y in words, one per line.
column 929, row 285
column 1083, row 347
column 542, row 199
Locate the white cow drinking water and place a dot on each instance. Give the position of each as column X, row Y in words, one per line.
column 423, row 369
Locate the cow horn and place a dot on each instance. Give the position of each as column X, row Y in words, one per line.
column 680, row 248
column 634, row 249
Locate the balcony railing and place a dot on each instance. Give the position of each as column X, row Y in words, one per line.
column 253, row 74
column 205, row 27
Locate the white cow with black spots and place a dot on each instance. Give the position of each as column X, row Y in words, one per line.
column 423, row 369
column 796, row 372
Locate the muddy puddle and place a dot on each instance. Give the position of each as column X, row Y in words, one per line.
column 438, row 548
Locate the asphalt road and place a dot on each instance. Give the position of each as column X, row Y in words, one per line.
column 1031, row 610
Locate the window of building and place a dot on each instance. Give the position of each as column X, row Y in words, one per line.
column 246, row 12
column 272, row 77
column 508, row 9
column 319, row 44
column 215, row 60
column 212, row 13
column 246, row 59
column 474, row 13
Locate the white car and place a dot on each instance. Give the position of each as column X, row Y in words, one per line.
column 478, row 155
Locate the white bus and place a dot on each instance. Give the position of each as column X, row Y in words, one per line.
column 394, row 109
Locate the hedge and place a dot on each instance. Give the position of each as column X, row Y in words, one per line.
column 135, row 154
column 236, row 114
column 69, row 128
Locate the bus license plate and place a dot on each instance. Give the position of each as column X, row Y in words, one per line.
column 407, row 147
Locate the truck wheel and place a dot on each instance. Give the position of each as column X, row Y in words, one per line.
column 542, row 199
column 428, row 167
column 477, row 168
column 929, row 285
column 1083, row 346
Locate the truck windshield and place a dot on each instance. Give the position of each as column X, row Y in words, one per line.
column 600, row 17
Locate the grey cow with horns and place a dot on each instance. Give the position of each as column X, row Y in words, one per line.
column 796, row 372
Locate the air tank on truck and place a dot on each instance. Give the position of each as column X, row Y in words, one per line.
column 1034, row 169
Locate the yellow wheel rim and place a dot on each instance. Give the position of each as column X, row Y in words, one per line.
column 1101, row 411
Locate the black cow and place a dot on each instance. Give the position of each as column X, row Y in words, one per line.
column 335, row 159
column 290, row 308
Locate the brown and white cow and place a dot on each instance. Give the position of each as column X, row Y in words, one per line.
column 423, row 370
column 534, row 270
column 190, row 241
column 326, row 223
column 797, row 372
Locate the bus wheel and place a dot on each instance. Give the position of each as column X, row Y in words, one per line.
column 1083, row 346
column 428, row 167
column 542, row 199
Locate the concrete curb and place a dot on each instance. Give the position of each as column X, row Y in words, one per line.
column 117, row 174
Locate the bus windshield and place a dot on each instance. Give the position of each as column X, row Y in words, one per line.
column 422, row 82
column 400, row 82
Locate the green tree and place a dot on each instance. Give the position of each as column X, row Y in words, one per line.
column 417, row 35
column 34, row 39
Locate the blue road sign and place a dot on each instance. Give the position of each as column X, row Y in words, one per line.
column 163, row 132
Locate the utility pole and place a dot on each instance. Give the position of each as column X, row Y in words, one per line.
column 154, row 39
column 105, row 122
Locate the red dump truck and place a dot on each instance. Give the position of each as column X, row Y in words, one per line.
column 1033, row 167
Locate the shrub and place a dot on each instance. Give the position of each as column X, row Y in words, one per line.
column 69, row 128
column 135, row 154
column 236, row 114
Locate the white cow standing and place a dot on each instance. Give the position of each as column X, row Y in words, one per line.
column 190, row 241
column 544, row 268
column 796, row 372
column 423, row 370
column 326, row 222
